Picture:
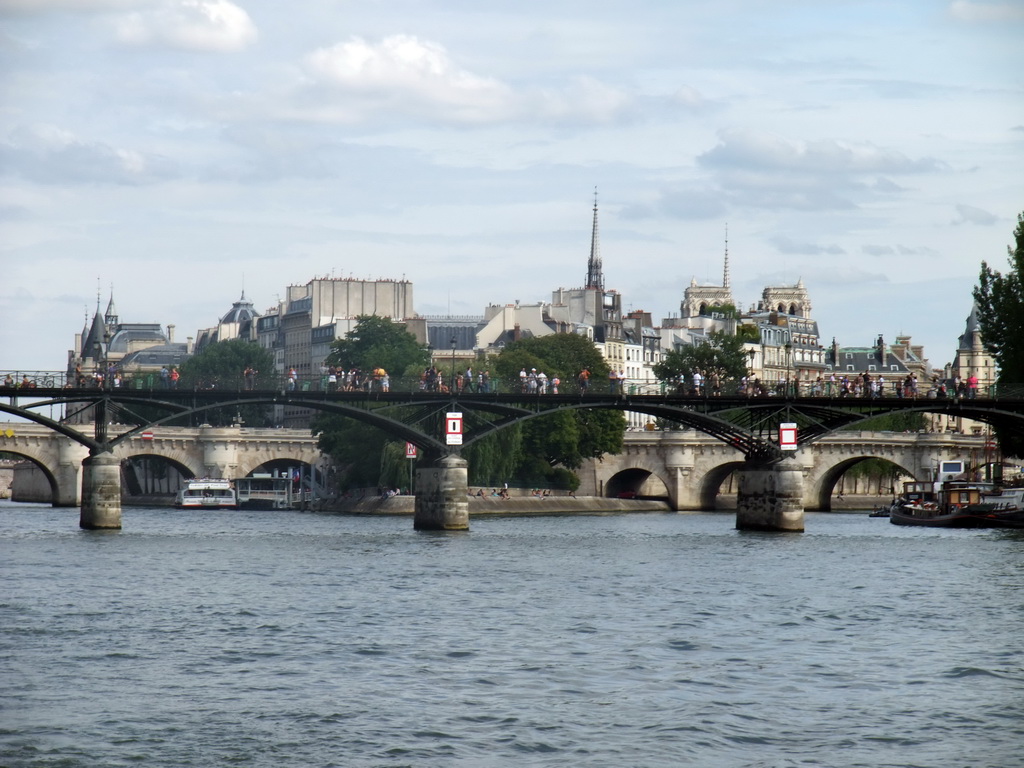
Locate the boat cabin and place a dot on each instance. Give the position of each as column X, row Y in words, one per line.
column 207, row 493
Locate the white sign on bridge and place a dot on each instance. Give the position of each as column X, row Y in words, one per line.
column 453, row 428
column 787, row 436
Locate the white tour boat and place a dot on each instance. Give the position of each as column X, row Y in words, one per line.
column 207, row 493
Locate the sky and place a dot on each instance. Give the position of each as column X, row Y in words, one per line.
column 180, row 152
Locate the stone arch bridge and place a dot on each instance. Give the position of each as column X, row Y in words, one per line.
column 688, row 468
column 685, row 466
column 196, row 451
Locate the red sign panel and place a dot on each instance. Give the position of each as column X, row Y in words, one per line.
column 787, row 436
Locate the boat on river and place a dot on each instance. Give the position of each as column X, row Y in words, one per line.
column 959, row 504
column 207, row 493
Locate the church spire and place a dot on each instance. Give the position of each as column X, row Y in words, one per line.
column 725, row 271
column 595, row 279
column 111, row 315
column 92, row 345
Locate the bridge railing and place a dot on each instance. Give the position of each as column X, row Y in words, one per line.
column 18, row 380
column 28, row 379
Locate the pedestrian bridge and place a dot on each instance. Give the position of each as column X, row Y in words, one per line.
column 774, row 477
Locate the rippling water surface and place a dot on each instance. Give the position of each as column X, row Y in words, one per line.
column 270, row 639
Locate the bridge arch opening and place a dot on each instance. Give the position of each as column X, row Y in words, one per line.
column 636, row 483
column 31, row 481
column 151, row 476
column 838, row 480
column 719, row 487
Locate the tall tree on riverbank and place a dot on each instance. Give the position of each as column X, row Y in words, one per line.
column 1000, row 300
column 222, row 366
column 379, row 342
column 723, row 353
column 552, row 446
column 367, row 456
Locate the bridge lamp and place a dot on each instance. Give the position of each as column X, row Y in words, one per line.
column 789, row 362
column 106, row 359
column 454, row 342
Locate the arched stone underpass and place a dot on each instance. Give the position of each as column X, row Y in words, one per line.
column 821, row 495
column 636, row 483
column 152, row 477
column 32, row 481
column 711, row 495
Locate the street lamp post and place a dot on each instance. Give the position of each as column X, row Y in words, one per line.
column 454, row 341
column 789, row 367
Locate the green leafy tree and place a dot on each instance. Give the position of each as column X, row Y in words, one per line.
column 222, row 366
column 1000, row 301
column 495, row 459
column 722, row 354
column 559, row 354
column 380, row 342
column 358, row 449
column 553, row 445
column 368, row 456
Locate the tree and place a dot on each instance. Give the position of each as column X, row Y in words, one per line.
column 368, row 456
column 558, row 354
column 222, row 366
column 561, row 441
column 1000, row 301
column 379, row 342
column 360, row 451
column 723, row 353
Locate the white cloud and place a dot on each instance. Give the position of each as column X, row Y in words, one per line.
column 27, row 7
column 968, row 214
column 403, row 75
column 788, row 245
column 754, row 150
column 201, row 25
column 970, row 11
column 409, row 74
column 52, row 155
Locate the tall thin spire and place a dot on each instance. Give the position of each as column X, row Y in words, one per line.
column 725, row 271
column 111, row 315
column 595, row 279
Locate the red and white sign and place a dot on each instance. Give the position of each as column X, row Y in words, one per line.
column 453, row 428
column 410, row 450
column 787, row 436
column 146, row 435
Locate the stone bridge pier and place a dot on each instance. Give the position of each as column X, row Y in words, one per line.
column 101, row 492
column 442, row 495
column 770, row 496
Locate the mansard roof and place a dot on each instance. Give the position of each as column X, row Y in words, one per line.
column 127, row 333
column 154, row 357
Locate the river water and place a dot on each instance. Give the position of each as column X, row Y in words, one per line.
column 298, row 639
